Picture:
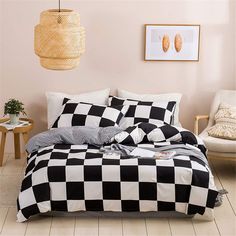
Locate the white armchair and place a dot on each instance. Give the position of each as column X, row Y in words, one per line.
column 216, row 146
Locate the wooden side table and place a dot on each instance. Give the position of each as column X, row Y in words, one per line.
column 24, row 130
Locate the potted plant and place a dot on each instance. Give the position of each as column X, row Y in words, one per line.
column 14, row 107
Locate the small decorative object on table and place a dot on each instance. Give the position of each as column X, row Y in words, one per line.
column 14, row 107
column 24, row 126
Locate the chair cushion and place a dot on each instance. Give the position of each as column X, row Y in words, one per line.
column 225, row 126
column 218, row 144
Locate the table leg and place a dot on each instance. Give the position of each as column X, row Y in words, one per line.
column 25, row 137
column 2, row 147
column 17, row 145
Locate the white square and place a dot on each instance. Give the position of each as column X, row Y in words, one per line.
column 76, row 205
column 40, row 176
column 112, row 205
column 44, row 206
column 142, row 111
column 147, row 205
column 147, row 173
column 79, row 147
column 129, row 162
column 169, row 162
column 93, row 162
column 111, row 173
column 165, row 192
column 92, row 121
column 198, row 196
column 183, row 175
column 61, row 150
column 78, row 155
column 111, row 114
column 65, row 120
column 92, row 190
column 129, row 191
column 57, row 162
column 58, row 191
column 197, row 166
column 26, row 198
column 181, row 207
column 82, row 109
column 74, row 173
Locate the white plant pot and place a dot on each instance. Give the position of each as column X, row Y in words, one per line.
column 14, row 119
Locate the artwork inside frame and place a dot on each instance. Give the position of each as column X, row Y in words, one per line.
column 172, row 42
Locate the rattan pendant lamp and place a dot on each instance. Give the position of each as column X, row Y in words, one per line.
column 59, row 39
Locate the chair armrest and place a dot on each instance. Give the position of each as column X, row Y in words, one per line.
column 196, row 123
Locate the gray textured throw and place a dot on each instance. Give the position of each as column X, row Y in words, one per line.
column 72, row 135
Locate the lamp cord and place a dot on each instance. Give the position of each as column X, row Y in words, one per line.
column 59, row 3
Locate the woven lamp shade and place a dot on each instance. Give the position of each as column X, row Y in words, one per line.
column 59, row 39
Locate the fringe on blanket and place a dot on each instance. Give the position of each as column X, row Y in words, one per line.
column 219, row 198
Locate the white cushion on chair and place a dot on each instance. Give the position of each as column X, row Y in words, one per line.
column 218, row 144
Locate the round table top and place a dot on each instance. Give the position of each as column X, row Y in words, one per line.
column 16, row 128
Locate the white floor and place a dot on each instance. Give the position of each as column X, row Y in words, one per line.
column 11, row 175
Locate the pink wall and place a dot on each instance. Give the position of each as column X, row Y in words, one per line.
column 114, row 53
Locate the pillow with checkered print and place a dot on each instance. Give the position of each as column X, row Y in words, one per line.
column 143, row 111
column 76, row 113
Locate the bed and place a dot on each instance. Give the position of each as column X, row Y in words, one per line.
column 99, row 158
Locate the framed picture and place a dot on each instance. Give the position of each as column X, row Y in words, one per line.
column 172, row 42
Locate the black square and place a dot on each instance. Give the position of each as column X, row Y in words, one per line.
column 211, row 198
column 106, row 122
column 200, row 178
column 78, row 120
column 140, row 119
column 30, row 211
column 75, row 190
column 157, row 113
column 59, row 155
column 41, row 192
column 147, row 191
column 171, row 106
column 59, row 206
column 96, row 110
column 74, row 161
column 169, row 131
column 94, row 205
column 26, row 183
column 92, row 173
column 165, row 174
column 130, row 205
column 166, row 206
column 147, row 161
column 111, row 190
column 91, row 155
column 41, row 164
column 182, row 163
column 182, row 193
column 131, row 111
column 62, row 146
column 110, row 162
column 56, row 174
column 129, row 173
column 194, row 209
column 143, row 103
column 69, row 108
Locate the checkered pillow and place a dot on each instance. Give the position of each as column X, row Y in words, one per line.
column 86, row 114
column 142, row 111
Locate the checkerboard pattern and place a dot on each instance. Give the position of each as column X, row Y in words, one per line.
column 79, row 178
column 146, row 132
column 86, row 114
column 140, row 111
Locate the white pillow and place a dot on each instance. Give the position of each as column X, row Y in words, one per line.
column 155, row 97
column 55, row 100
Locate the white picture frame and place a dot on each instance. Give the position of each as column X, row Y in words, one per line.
column 172, row 42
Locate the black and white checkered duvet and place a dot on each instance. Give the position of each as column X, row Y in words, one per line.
column 80, row 178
